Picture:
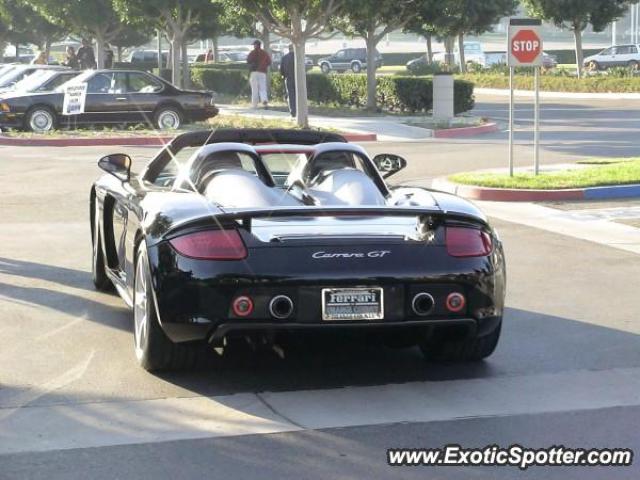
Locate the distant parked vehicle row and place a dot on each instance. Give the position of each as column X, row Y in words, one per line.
column 615, row 56
column 113, row 97
column 354, row 59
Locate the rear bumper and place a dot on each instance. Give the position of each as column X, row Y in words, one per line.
column 215, row 334
column 194, row 298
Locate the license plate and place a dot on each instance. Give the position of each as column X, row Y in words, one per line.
column 352, row 304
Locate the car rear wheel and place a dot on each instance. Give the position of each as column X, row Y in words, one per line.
column 633, row 65
column 356, row 67
column 593, row 66
column 448, row 346
column 325, row 68
column 153, row 349
column 40, row 119
column 98, row 270
column 168, row 118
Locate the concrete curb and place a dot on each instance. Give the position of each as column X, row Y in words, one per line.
column 560, row 95
column 129, row 141
column 466, row 131
column 519, row 195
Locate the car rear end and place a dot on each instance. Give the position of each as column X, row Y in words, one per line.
column 358, row 271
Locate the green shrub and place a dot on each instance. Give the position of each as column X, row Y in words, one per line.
column 394, row 93
column 552, row 83
column 225, row 81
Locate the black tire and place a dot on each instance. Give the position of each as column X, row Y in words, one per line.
column 168, row 118
column 442, row 348
column 325, row 67
column 153, row 349
column 98, row 267
column 40, row 118
column 593, row 66
column 633, row 65
column 356, row 67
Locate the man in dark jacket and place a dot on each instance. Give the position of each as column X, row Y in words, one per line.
column 288, row 71
column 86, row 56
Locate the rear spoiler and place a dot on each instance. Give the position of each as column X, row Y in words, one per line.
column 243, row 217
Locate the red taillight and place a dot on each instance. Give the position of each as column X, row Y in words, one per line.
column 242, row 306
column 211, row 245
column 467, row 242
column 455, row 302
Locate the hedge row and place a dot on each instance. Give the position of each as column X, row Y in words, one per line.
column 595, row 84
column 394, row 93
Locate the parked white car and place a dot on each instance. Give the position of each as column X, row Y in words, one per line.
column 615, row 56
column 473, row 52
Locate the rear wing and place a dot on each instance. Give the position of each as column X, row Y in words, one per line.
column 243, row 217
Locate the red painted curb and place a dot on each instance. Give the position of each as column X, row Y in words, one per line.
column 507, row 194
column 82, row 142
column 465, row 131
column 149, row 141
column 360, row 137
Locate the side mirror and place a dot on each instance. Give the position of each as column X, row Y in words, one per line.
column 389, row 164
column 117, row 164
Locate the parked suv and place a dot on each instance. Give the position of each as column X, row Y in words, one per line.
column 354, row 59
column 615, row 56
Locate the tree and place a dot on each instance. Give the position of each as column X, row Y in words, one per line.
column 423, row 21
column 174, row 17
column 96, row 19
column 297, row 21
column 372, row 20
column 238, row 21
column 456, row 18
column 576, row 15
column 131, row 36
column 26, row 25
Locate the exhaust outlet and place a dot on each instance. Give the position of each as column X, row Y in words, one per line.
column 280, row 307
column 422, row 304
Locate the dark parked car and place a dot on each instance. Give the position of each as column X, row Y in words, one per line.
column 113, row 97
column 354, row 59
column 261, row 233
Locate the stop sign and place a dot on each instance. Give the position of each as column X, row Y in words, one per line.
column 525, row 46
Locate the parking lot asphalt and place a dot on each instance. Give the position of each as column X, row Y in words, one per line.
column 567, row 370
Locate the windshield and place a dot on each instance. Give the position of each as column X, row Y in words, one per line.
column 11, row 76
column 33, row 81
column 83, row 77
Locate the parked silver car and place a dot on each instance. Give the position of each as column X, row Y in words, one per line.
column 615, row 56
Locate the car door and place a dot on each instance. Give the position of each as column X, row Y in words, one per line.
column 604, row 58
column 339, row 61
column 106, row 99
column 143, row 92
column 624, row 55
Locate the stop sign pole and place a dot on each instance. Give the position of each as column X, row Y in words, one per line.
column 524, row 49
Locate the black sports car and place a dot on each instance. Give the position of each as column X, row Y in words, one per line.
column 113, row 97
column 265, row 232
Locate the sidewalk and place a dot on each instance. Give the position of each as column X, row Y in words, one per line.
column 387, row 129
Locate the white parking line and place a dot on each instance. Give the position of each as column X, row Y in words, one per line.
column 81, row 425
column 596, row 229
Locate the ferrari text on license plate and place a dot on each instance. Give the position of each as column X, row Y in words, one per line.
column 352, row 304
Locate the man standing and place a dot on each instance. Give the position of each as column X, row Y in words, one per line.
column 288, row 71
column 259, row 62
column 85, row 55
